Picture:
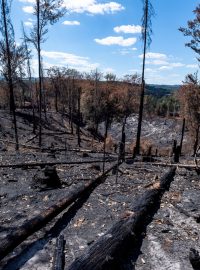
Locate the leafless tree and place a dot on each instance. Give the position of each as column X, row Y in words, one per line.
column 11, row 57
column 47, row 12
column 55, row 75
column 95, row 77
column 29, row 73
column 148, row 12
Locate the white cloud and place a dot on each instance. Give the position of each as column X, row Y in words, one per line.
column 150, row 70
column 128, row 29
column 177, row 64
column 28, row 9
column 71, row 60
column 165, row 68
column 175, row 75
column 108, row 41
column 171, row 66
column 151, row 55
column 92, row 6
column 28, row 24
column 125, row 51
column 157, row 62
column 28, row 1
column 161, row 59
column 71, row 23
column 192, row 66
column 81, row 6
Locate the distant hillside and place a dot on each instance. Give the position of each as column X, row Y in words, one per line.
column 161, row 90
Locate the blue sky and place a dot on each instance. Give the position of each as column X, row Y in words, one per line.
column 105, row 35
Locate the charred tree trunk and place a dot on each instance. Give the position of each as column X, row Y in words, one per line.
column 137, row 147
column 30, row 83
column 56, row 98
column 10, row 81
column 43, row 164
column 44, row 96
column 110, row 247
column 39, row 72
column 96, row 124
column 37, row 96
column 196, row 140
column 69, row 100
column 33, row 106
column 79, row 117
column 71, row 106
column 104, row 144
column 182, row 135
column 96, row 129
column 18, row 235
column 123, row 141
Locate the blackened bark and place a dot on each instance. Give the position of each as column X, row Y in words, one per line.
column 10, row 81
column 137, row 147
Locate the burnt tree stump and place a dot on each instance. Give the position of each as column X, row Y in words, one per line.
column 194, row 258
column 46, row 178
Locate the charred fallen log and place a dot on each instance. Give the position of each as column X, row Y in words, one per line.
column 110, row 246
column 59, row 257
column 18, row 235
column 43, row 164
column 57, row 149
column 180, row 165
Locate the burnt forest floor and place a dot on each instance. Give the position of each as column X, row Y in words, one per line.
column 168, row 238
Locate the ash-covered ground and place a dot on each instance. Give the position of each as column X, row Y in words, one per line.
column 158, row 132
column 166, row 244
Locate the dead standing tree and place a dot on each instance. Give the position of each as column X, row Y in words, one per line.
column 127, row 101
column 95, row 78
column 110, row 108
column 189, row 97
column 73, row 76
column 28, row 57
column 79, row 115
column 191, row 90
column 46, row 12
column 55, row 75
column 146, row 37
column 11, row 57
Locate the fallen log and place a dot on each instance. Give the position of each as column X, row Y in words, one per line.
column 109, row 247
column 189, row 166
column 43, row 164
column 59, row 257
column 18, row 235
column 56, row 149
